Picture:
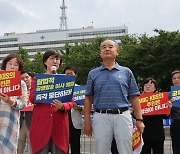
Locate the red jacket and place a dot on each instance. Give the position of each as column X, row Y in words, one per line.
column 49, row 122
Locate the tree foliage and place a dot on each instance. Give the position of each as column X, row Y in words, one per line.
column 25, row 57
column 83, row 56
column 146, row 56
column 155, row 56
column 37, row 63
column 32, row 66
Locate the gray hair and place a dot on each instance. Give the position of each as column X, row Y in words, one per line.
column 116, row 44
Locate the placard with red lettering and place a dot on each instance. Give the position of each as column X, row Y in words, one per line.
column 154, row 103
column 137, row 140
column 136, row 137
column 10, row 83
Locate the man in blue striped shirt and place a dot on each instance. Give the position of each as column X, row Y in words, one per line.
column 112, row 89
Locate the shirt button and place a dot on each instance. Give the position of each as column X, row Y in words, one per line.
column 51, row 105
column 51, row 115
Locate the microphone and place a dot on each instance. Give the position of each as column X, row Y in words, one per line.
column 53, row 69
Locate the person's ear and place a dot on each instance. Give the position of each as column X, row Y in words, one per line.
column 118, row 52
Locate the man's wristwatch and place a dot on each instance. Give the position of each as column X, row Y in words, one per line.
column 140, row 120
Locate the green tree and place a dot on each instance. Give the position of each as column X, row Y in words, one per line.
column 83, row 56
column 34, row 66
column 155, row 56
column 37, row 64
column 26, row 59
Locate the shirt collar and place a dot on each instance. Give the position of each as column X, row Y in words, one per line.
column 117, row 67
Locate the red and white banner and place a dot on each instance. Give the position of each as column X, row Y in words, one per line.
column 154, row 103
column 10, row 83
column 29, row 107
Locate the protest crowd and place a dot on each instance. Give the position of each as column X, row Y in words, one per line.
column 46, row 110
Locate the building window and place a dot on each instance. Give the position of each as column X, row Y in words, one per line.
column 9, row 40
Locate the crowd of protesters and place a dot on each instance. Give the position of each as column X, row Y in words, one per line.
column 112, row 90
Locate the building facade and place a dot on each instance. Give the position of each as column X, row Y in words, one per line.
column 54, row 38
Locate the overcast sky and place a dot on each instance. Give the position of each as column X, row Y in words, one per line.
column 141, row 16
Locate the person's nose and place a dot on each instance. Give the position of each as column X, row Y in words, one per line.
column 147, row 86
column 107, row 48
column 25, row 79
column 12, row 66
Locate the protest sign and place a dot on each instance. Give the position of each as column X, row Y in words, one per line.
column 10, row 83
column 154, row 103
column 79, row 94
column 137, row 140
column 29, row 106
column 167, row 122
column 54, row 86
column 175, row 93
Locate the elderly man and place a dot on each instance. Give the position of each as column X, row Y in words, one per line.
column 113, row 90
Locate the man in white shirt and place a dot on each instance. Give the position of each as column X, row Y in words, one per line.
column 75, row 119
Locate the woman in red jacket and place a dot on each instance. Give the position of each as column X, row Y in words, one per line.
column 49, row 129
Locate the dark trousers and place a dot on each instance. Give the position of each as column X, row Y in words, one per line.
column 114, row 147
column 157, row 147
column 50, row 146
column 175, row 136
column 74, row 137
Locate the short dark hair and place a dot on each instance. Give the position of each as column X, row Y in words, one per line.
column 49, row 53
column 69, row 68
column 24, row 71
column 11, row 56
column 174, row 72
column 152, row 81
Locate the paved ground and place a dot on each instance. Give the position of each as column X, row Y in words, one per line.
column 88, row 146
column 167, row 147
column 167, row 143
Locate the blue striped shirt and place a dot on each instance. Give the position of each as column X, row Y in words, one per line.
column 111, row 88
